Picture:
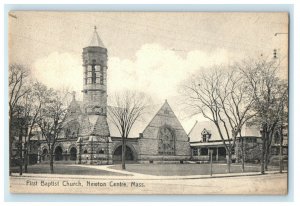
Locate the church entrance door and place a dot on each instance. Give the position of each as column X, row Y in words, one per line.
column 58, row 154
column 117, row 155
column 73, row 153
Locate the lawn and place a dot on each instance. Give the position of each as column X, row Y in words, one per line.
column 67, row 169
column 185, row 169
column 151, row 169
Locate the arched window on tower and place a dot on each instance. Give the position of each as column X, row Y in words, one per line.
column 85, row 72
column 101, row 79
column 94, row 72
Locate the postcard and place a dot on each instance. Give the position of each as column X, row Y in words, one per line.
column 148, row 102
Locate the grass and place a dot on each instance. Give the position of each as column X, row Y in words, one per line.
column 185, row 169
column 67, row 169
column 150, row 169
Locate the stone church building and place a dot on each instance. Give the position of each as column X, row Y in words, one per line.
column 89, row 138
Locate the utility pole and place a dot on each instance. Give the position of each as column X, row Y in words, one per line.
column 210, row 153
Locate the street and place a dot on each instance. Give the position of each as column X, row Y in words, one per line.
column 272, row 183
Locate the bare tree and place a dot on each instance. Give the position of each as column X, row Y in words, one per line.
column 32, row 103
column 126, row 108
column 18, row 75
column 50, row 121
column 271, row 100
column 219, row 95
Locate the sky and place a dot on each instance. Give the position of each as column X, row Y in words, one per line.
column 148, row 51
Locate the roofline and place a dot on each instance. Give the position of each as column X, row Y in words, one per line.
column 226, row 140
column 193, row 128
column 152, row 119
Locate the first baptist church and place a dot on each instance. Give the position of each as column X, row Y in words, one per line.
column 88, row 137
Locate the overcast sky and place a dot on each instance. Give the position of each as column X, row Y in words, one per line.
column 151, row 52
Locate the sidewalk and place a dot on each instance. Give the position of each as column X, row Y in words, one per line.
column 138, row 176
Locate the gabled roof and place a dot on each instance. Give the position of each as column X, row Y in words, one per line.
column 165, row 114
column 96, row 41
column 195, row 133
column 100, row 127
column 74, row 110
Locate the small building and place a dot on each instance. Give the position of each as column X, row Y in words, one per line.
column 204, row 136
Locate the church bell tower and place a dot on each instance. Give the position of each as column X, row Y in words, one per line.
column 96, row 142
column 95, row 76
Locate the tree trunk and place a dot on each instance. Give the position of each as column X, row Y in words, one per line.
column 243, row 155
column 267, row 158
column 21, row 156
column 267, row 150
column 123, row 153
column 262, row 159
column 229, row 161
column 280, row 151
column 51, row 162
column 25, row 158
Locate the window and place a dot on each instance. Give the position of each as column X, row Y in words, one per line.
column 101, row 80
column 205, row 137
column 85, row 152
column 101, row 151
column 195, row 151
column 89, row 81
column 205, row 134
column 204, row 151
column 166, row 143
column 93, row 74
column 72, row 129
column 67, row 132
column 85, row 74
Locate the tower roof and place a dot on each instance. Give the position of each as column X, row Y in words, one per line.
column 96, row 41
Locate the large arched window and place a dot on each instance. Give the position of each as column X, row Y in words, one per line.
column 166, row 141
column 94, row 72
